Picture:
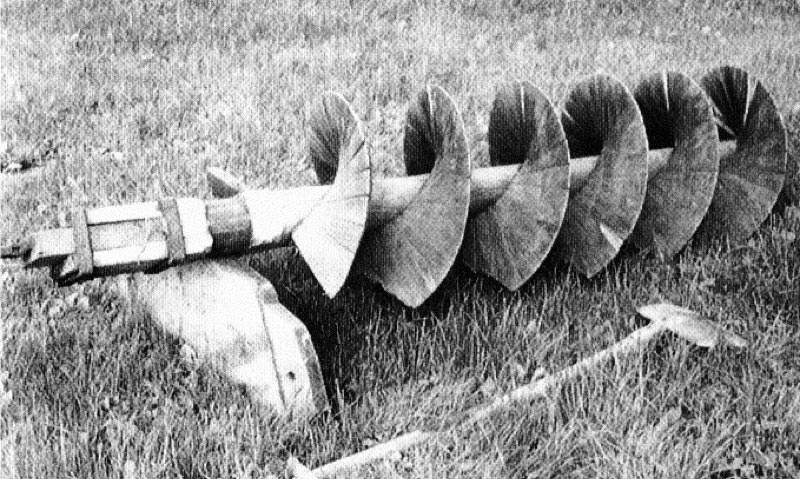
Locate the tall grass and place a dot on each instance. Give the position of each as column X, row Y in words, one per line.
column 123, row 101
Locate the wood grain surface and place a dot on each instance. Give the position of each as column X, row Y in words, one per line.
column 329, row 236
column 410, row 255
column 509, row 240
column 677, row 114
column 600, row 116
column 751, row 177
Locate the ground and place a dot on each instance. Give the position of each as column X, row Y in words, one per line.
column 122, row 101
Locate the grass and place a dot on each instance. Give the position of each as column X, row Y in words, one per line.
column 122, row 101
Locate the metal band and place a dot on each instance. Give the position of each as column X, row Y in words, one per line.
column 176, row 248
column 229, row 224
column 194, row 226
column 82, row 257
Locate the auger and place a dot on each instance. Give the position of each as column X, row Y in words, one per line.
column 671, row 160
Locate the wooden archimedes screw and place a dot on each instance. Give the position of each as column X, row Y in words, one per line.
column 646, row 167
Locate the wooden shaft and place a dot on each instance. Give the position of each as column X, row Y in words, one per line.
column 127, row 238
column 391, row 196
column 635, row 341
column 345, row 465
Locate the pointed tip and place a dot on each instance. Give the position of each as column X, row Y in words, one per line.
column 298, row 470
column 660, row 312
column 222, row 183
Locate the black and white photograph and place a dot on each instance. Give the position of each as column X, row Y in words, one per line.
column 310, row 239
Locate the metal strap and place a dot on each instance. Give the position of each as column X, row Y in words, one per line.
column 176, row 246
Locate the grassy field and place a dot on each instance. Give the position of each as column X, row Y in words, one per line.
column 121, row 101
